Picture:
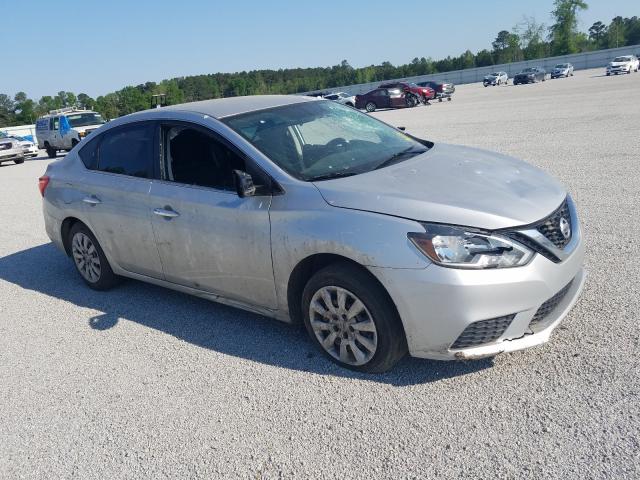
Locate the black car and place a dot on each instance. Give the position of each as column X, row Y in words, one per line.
column 442, row 89
column 530, row 75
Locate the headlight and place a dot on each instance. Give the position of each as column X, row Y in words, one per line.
column 458, row 247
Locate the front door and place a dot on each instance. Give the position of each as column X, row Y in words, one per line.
column 207, row 236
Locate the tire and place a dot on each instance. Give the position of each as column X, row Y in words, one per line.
column 380, row 340
column 18, row 162
column 84, row 247
column 51, row 152
column 411, row 101
column 370, row 107
column 74, row 142
column 449, row 99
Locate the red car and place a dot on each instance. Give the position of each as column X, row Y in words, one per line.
column 383, row 98
column 422, row 94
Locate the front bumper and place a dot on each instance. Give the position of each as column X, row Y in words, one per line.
column 618, row 69
column 11, row 155
column 437, row 304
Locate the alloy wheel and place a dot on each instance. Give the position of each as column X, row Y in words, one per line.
column 343, row 325
column 85, row 256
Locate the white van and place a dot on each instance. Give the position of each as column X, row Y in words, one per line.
column 63, row 129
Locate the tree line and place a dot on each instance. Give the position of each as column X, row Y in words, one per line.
column 528, row 40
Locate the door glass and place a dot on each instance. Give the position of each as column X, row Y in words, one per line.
column 56, row 123
column 128, row 151
column 195, row 158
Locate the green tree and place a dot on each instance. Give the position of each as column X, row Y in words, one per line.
column 563, row 33
column 597, row 33
column 7, row 111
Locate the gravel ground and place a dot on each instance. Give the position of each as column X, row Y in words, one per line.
column 143, row 382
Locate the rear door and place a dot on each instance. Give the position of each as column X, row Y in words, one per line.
column 381, row 98
column 208, row 237
column 116, row 195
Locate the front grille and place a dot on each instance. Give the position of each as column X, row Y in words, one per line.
column 533, row 245
column 548, row 307
column 550, row 226
column 484, row 331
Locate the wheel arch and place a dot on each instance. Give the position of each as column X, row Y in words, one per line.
column 307, row 267
column 65, row 228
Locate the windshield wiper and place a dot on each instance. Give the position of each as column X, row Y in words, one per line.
column 412, row 151
column 331, row 175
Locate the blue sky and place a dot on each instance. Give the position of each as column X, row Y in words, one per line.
column 99, row 46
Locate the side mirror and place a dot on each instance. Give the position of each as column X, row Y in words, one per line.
column 402, row 128
column 244, row 184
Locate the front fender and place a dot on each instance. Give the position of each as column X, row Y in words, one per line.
column 308, row 226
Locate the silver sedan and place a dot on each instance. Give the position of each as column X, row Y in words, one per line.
column 309, row 211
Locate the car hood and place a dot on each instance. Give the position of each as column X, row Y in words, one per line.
column 452, row 184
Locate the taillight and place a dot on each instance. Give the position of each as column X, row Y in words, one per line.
column 42, row 184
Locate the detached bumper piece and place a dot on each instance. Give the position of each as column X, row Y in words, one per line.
column 484, row 331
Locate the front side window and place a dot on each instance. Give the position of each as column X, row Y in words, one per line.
column 193, row 157
column 56, row 123
column 127, row 150
column 320, row 140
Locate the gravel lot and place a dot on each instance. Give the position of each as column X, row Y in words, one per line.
column 145, row 382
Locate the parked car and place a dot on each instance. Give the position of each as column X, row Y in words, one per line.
column 309, row 211
column 495, row 78
column 383, row 98
column 64, row 128
column 29, row 148
column 442, row 89
column 530, row 75
column 623, row 64
column 562, row 70
column 343, row 98
column 11, row 150
column 413, row 91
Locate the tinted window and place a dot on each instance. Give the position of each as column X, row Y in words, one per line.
column 194, row 157
column 89, row 154
column 127, row 151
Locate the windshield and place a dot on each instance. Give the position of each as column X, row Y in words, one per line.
column 622, row 59
column 322, row 140
column 528, row 70
column 84, row 119
column 562, row 65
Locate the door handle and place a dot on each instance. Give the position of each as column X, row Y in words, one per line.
column 92, row 200
column 166, row 212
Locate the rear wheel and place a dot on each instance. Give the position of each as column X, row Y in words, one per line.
column 352, row 320
column 74, row 142
column 89, row 259
column 370, row 107
column 51, row 152
column 19, row 161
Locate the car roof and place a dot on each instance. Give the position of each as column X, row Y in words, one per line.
column 227, row 107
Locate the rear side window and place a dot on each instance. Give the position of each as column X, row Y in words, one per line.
column 127, row 151
column 89, row 154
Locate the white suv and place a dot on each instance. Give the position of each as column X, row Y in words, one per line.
column 623, row 64
column 63, row 129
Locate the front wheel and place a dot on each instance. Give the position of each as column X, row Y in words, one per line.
column 19, row 161
column 352, row 320
column 89, row 259
column 370, row 107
